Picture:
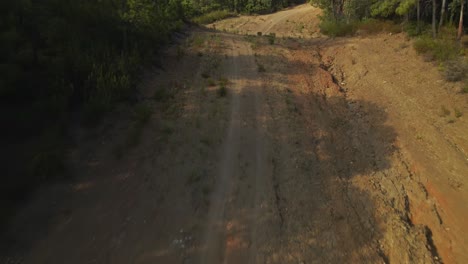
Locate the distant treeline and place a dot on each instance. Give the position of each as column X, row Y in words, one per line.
column 436, row 12
column 199, row 7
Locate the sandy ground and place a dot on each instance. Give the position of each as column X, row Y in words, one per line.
column 322, row 151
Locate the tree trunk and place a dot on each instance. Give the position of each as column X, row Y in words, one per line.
column 442, row 13
column 434, row 10
column 418, row 11
column 460, row 24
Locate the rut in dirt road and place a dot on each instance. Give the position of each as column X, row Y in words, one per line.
column 235, row 203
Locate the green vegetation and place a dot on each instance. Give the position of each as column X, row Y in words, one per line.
column 271, row 38
column 438, row 28
column 64, row 57
column 213, row 16
column 343, row 18
column 440, row 49
column 337, row 28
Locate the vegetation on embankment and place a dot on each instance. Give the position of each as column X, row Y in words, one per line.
column 438, row 37
column 64, row 57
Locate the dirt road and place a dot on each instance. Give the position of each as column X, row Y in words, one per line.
column 300, row 149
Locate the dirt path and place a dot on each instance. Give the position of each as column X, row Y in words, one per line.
column 300, row 149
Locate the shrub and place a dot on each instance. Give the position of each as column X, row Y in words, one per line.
column 337, row 28
column 440, row 49
column 423, row 45
column 271, row 38
column 213, row 16
column 373, row 26
column 455, row 70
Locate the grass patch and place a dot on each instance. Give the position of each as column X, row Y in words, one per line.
column 213, row 16
column 197, row 40
column 458, row 113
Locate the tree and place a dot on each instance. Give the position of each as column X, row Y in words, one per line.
column 460, row 24
column 442, row 13
column 434, row 10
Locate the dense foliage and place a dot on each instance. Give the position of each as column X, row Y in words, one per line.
column 437, row 12
column 63, row 56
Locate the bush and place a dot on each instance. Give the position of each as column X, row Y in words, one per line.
column 337, row 28
column 440, row 49
column 373, row 26
column 423, row 45
column 213, row 16
column 455, row 70
column 271, row 38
